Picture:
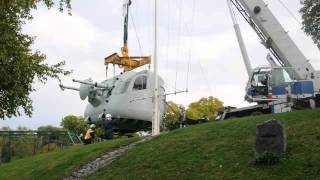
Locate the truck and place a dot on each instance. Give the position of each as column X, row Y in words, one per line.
column 289, row 82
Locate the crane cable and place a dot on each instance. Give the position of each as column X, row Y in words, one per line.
column 190, row 46
column 136, row 32
column 179, row 39
column 168, row 37
column 205, row 78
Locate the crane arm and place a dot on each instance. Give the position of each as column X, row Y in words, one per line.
column 124, row 60
column 275, row 38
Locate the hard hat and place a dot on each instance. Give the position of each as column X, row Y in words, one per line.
column 93, row 126
column 108, row 117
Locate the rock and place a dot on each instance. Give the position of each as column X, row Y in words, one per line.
column 271, row 137
column 102, row 161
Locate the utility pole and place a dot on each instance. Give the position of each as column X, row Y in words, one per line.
column 155, row 118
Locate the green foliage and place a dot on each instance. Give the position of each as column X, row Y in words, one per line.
column 172, row 115
column 98, row 133
column 74, row 124
column 267, row 159
column 222, row 150
column 5, row 128
column 58, row 164
column 311, row 19
column 49, row 128
column 208, row 107
column 22, row 128
column 19, row 64
column 17, row 147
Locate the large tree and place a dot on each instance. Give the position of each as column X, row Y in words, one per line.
column 20, row 66
column 74, row 124
column 49, row 128
column 311, row 19
column 205, row 107
column 172, row 115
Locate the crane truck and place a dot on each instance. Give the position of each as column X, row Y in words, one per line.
column 289, row 82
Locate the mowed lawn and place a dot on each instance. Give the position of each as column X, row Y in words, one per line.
column 57, row 164
column 223, row 150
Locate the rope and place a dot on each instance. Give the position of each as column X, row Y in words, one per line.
column 136, row 32
column 179, row 37
column 170, row 85
column 168, row 37
column 205, row 78
column 190, row 47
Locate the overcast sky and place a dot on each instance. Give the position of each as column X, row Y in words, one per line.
column 199, row 30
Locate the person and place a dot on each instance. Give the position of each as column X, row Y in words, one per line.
column 88, row 138
column 107, row 127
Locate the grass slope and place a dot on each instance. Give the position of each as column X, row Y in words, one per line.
column 223, row 150
column 57, row 164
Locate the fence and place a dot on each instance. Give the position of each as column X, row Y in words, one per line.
column 19, row 144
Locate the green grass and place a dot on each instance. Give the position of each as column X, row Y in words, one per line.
column 57, row 164
column 222, row 150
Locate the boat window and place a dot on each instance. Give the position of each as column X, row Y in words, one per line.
column 140, row 83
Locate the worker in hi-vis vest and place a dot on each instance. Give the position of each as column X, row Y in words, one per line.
column 88, row 138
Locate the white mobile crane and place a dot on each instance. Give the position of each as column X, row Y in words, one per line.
column 290, row 82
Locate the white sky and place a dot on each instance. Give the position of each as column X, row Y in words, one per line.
column 203, row 33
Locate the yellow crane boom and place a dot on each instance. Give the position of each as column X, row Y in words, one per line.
column 124, row 61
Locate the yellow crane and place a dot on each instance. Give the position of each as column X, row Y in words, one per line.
column 124, row 61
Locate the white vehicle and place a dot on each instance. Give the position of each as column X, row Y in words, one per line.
column 289, row 82
column 128, row 97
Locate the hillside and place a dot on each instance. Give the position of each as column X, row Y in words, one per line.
column 58, row 164
column 222, row 150
column 216, row 150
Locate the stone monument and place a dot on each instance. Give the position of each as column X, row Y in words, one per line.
column 271, row 137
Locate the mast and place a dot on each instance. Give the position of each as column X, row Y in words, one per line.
column 240, row 40
column 155, row 118
column 124, row 49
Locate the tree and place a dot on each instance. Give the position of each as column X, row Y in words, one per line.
column 5, row 128
column 311, row 19
column 74, row 124
column 205, row 107
column 172, row 115
column 23, row 128
column 19, row 64
column 49, row 128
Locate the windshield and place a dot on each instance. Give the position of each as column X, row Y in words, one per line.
column 280, row 77
column 260, row 79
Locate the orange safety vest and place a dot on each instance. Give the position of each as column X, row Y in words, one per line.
column 88, row 134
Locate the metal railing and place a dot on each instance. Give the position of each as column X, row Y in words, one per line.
column 19, row 144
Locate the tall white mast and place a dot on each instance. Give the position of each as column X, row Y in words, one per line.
column 240, row 40
column 156, row 118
